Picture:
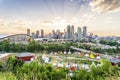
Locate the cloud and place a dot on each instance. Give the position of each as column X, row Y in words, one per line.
column 12, row 26
column 102, row 6
column 20, row 25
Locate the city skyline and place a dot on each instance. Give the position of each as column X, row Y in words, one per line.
column 100, row 16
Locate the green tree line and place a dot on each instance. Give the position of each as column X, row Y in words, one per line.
column 99, row 49
column 6, row 46
column 111, row 43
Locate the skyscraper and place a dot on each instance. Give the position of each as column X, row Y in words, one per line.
column 68, row 31
column 65, row 34
column 42, row 33
column 72, row 32
column 28, row 32
column 79, row 32
column 84, row 31
column 53, row 34
column 37, row 33
column 58, row 33
column 33, row 35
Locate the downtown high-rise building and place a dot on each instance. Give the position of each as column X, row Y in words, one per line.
column 37, row 34
column 33, row 35
column 70, row 32
column 28, row 32
column 79, row 32
column 53, row 34
column 58, row 34
column 42, row 33
column 65, row 34
column 84, row 31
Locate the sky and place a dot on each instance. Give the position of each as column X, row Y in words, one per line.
column 102, row 17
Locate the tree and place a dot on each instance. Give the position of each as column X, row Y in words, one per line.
column 12, row 64
column 6, row 45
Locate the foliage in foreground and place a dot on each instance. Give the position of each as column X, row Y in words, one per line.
column 7, row 76
column 37, row 71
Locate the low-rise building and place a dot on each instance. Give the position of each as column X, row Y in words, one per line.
column 26, row 56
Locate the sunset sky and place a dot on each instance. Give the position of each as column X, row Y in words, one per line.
column 101, row 17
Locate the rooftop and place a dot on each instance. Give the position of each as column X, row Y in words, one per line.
column 24, row 54
column 115, row 60
column 4, row 55
column 3, row 35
